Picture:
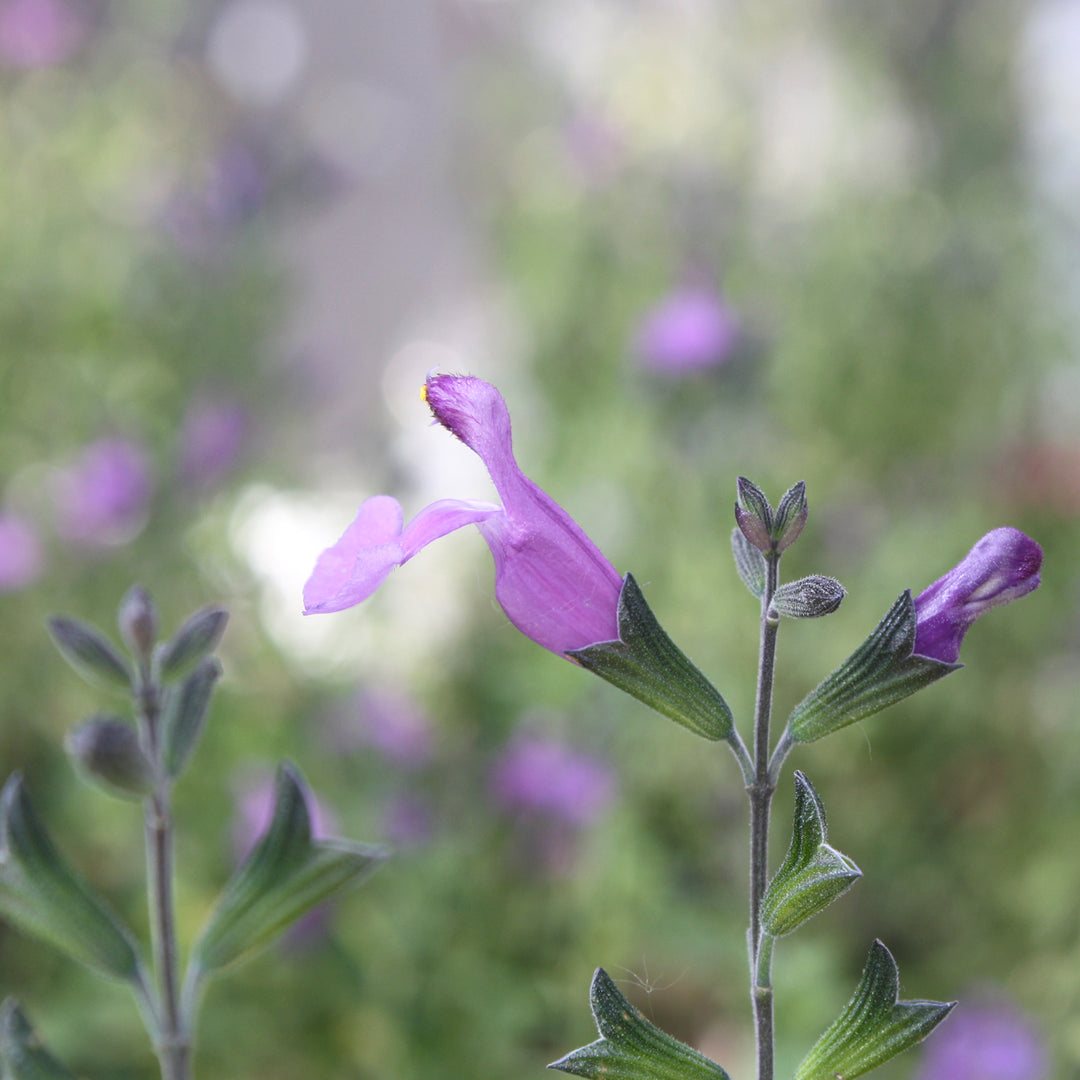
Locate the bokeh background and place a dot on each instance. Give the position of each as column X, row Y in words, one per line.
column 689, row 239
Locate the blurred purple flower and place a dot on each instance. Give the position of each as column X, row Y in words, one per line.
column 212, row 435
column 39, row 33
column 990, row 1041
column 389, row 722
column 1003, row 566
column 547, row 778
column 551, row 580
column 102, row 498
column 21, row 559
column 407, row 821
column 690, row 329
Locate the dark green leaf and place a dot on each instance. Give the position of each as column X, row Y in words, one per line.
column 648, row 665
column 629, row 1047
column 89, row 652
column 285, row 875
column 184, row 714
column 41, row 893
column 198, row 636
column 882, row 671
column 813, row 875
column 22, row 1055
column 874, row 1026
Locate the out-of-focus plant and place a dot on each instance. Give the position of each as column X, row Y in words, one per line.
column 285, row 874
column 558, row 588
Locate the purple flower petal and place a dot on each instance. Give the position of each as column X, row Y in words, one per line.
column 1003, row 566
column 551, row 580
column 374, row 544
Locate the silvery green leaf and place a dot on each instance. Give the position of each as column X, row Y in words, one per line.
column 874, row 1026
column 22, row 1055
column 749, row 562
column 45, row 896
column 286, row 874
column 647, row 664
column 198, row 636
column 629, row 1047
column 813, row 874
column 790, row 517
column 184, row 714
column 882, row 671
column 808, row 598
column 89, row 651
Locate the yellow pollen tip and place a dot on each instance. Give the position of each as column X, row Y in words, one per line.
column 423, row 393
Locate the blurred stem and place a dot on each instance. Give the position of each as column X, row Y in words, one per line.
column 172, row 1041
column 760, row 793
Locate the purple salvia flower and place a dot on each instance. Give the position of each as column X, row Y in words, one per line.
column 548, row 778
column 689, row 330
column 1002, row 566
column 102, row 498
column 551, row 580
column 21, row 559
column 39, row 33
column 985, row 1042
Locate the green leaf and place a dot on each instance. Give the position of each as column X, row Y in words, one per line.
column 629, row 1047
column 22, row 1055
column 874, row 1026
column 184, row 714
column 749, row 562
column 46, row 897
column 790, row 517
column 286, row 874
column 882, row 671
column 198, row 636
column 648, row 665
column 813, row 875
column 89, row 651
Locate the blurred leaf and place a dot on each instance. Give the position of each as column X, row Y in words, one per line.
column 648, row 665
column 285, row 875
column 629, row 1047
column 184, row 714
column 882, row 671
column 813, row 874
column 198, row 636
column 22, row 1055
column 45, row 896
column 874, row 1026
column 89, row 652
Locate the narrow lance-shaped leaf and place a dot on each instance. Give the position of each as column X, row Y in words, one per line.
column 184, row 714
column 874, row 1026
column 647, row 664
column 629, row 1047
column 813, row 875
column 198, row 636
column 749, row 562
column 22, row 1055
column 882, row 671
column 89, row 651
column 41, row 893
column 285, row 875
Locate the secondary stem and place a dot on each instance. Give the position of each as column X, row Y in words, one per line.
column 760, row 793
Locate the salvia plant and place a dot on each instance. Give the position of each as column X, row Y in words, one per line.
column 557, row 588
column 141, row 758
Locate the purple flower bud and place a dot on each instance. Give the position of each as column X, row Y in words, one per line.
column 1002, row 566
column 991, row 1041
column 102, row 498
column 551, row 580
column 547, row 778
column 687, row 331
column 21, row 559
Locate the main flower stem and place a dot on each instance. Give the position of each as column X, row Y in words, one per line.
column 172, row 1041
column 760, row 793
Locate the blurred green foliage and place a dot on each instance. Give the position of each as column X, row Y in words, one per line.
column 897, row 341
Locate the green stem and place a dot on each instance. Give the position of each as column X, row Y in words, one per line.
column 760, row 793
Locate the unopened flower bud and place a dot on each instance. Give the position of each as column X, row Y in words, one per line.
column 138, row 621
column 107, row 751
